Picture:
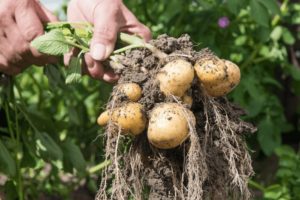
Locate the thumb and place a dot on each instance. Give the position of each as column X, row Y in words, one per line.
column 106, row 28
column 103, row 41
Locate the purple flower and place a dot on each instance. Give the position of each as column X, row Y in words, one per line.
column 223, row 22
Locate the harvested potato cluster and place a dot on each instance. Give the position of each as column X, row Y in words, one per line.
column 169, row 123
column 170, row 132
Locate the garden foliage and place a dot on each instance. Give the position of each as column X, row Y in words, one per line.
column 48, row 130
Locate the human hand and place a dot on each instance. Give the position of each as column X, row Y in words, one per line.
column 109, row 17
column 20, row 22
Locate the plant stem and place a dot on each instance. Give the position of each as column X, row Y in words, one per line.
column 99, row 167
column 136, row 42
column 77, row 45
column 256, row 185
column 16, row 139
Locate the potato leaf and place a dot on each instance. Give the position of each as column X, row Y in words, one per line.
column 52, row 43
column 271, row 5
column 74, row 71
column 259, row 13
column 47, row 147
column 74, row 156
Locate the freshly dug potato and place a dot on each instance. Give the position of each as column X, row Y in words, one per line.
column 168, row 125
column 103, row 118
column 217, row 77
column 175, row 77
column 130, row 118
column 131, row 90
column 210, row 71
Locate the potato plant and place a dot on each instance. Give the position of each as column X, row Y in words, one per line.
column 169, row 105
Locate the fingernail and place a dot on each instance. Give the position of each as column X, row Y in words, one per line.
column 98, row 51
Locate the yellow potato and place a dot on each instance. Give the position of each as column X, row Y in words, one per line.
column 130, row 118
column 168, row 125
column 103, row 118
column 210, row 71
column 176, row 77
column 217, row 77
column 131, row 90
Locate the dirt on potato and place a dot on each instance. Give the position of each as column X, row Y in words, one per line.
column 213, row 163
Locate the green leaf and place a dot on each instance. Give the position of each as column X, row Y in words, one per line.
column 295, row 72
column 259, row 13
column 273, row 192
column 74, row 71
column 276, row 33
column 52, row 43
column 234, row 5
column 271, row 5
column 268, row 135
column 7, row 163
column 288, row 37
column 47, row 147
column 296, row 18
column 73, row 154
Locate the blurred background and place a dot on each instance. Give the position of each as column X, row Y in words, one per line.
column 51, row 147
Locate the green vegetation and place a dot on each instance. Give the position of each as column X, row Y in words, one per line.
column 50, row 143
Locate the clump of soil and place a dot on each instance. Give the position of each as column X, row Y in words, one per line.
column 212, row 164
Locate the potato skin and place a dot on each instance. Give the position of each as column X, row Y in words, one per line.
column 217, row 77
column 130, row 118
column 168, row 125
column 103, row 118
column 131, row 90
column 176, row 77
column 210, row 71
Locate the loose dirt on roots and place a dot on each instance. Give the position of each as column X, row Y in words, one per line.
column 213, row 163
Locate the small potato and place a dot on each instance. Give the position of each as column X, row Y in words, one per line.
column 131, row 90
column 210, row 71
column 234, row 73
column 217, row 76
column 168, row 125
column 176, row 77
column 103, row 118
column 130, row 118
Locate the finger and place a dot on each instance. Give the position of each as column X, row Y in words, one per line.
column 8, row 69
column 28, row 21
column 106, row 27
column 110, row 76
column 92, row 67
column 36, row 58
column 132, row 25
column 69, row 55
column 12, row 44
column 74, row 13
column 44, row 14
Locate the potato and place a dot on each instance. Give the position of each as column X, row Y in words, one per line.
column 168, row 125
column 176, row 77
column 131, row 90
column 217, row 77
column 130, row 118
column 103, row 118
column 210, row 71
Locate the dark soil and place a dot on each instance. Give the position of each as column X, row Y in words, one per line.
column 212, row 164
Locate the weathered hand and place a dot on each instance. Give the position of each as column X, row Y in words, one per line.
column 109, row 17
column 20, row 22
